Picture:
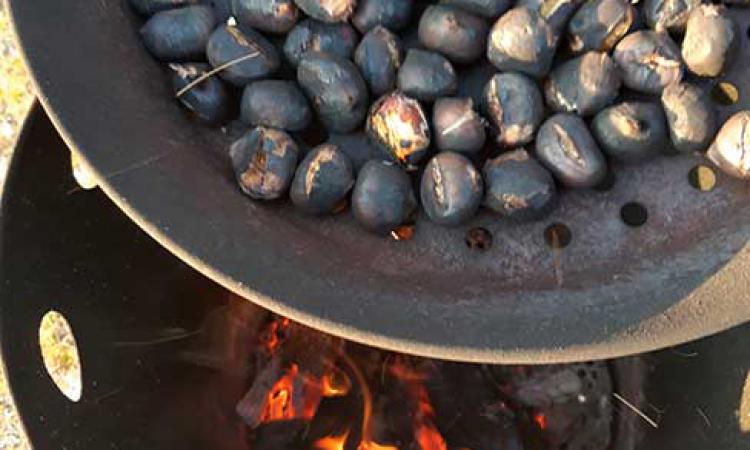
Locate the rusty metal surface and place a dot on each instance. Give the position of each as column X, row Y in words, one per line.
column 614, row 290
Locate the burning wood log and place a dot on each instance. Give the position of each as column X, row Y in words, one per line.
column 294, row 365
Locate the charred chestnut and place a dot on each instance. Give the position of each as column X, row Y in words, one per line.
column 583, row 85
column 489, row 9
column 457, row 34
column 336, row 89
column 339, row 39
column 451, row 189
column 518, row 187
column 179, row 34
column 556, row 12
column 327, row 10
column 322, row 180
column 599, row 25
column 277, row 104
column 358, row 148
column 668, row 15
column 378, row 57
column 521, row 40
column 397, row 124
column 458, row 127
column 230, row 43
column 272, row 16
column 208, row 100
column 690, row 115
column 730, row 149
column 648, row 61
column 631, row 131
column 565, row 146
column 515, row 107
column 391, row 14
column 711, row 39
column 150, row 7
column 383, row 197
column 264, row 160
column 426, row 76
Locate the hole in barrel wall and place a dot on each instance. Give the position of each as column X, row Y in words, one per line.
column 634, row 214
column 478, row 238
column 60, row 354
column 725, row 93
column 558, row 235
column 702, row 178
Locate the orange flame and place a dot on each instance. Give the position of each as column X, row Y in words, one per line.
column 335, row 383
column 425, row 432
column 541, row 420
column 272, row 339
column 332, row 442
column 279, row 402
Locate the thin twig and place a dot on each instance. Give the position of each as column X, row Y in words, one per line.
column 640, row 413
column 213, row 72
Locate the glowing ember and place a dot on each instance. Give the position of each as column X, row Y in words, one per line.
column 541, row 420
column 279, row 403
column 336, row 383
column 331, row 442
column 273, row 336
column 425, row 432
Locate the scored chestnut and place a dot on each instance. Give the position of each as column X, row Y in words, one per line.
column 599, row 25
column 179, row 34
column 378, row 58
column 426, row 76
column 729, row 150
column 451, row 189
column 711, row 40
column 631, row 132
column 521, row 40
column 518, row 187
column 322, row 180
column 457, row 34
column 458, row 126
column 327, row 10
column 272, row 16
column 264, row 160
column 583, row 85
column 339, row 39
column 391, row 14
column 232, row 42
column 209, row 100
column 383, row 197
column 668, row 15
column 515, row 107
column 565, row 146
column 691, row 117
column 397, row 124
column 336, row 89
column 489, row 9
column 277, row 104
column 648, row 61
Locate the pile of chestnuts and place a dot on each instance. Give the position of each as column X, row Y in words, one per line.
column 453, row 105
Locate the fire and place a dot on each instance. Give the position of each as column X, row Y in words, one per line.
column 541, row 420
column 273, row 336
column 335, row 383
column 425, row 432
column 279, row 402
column 332, row 442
